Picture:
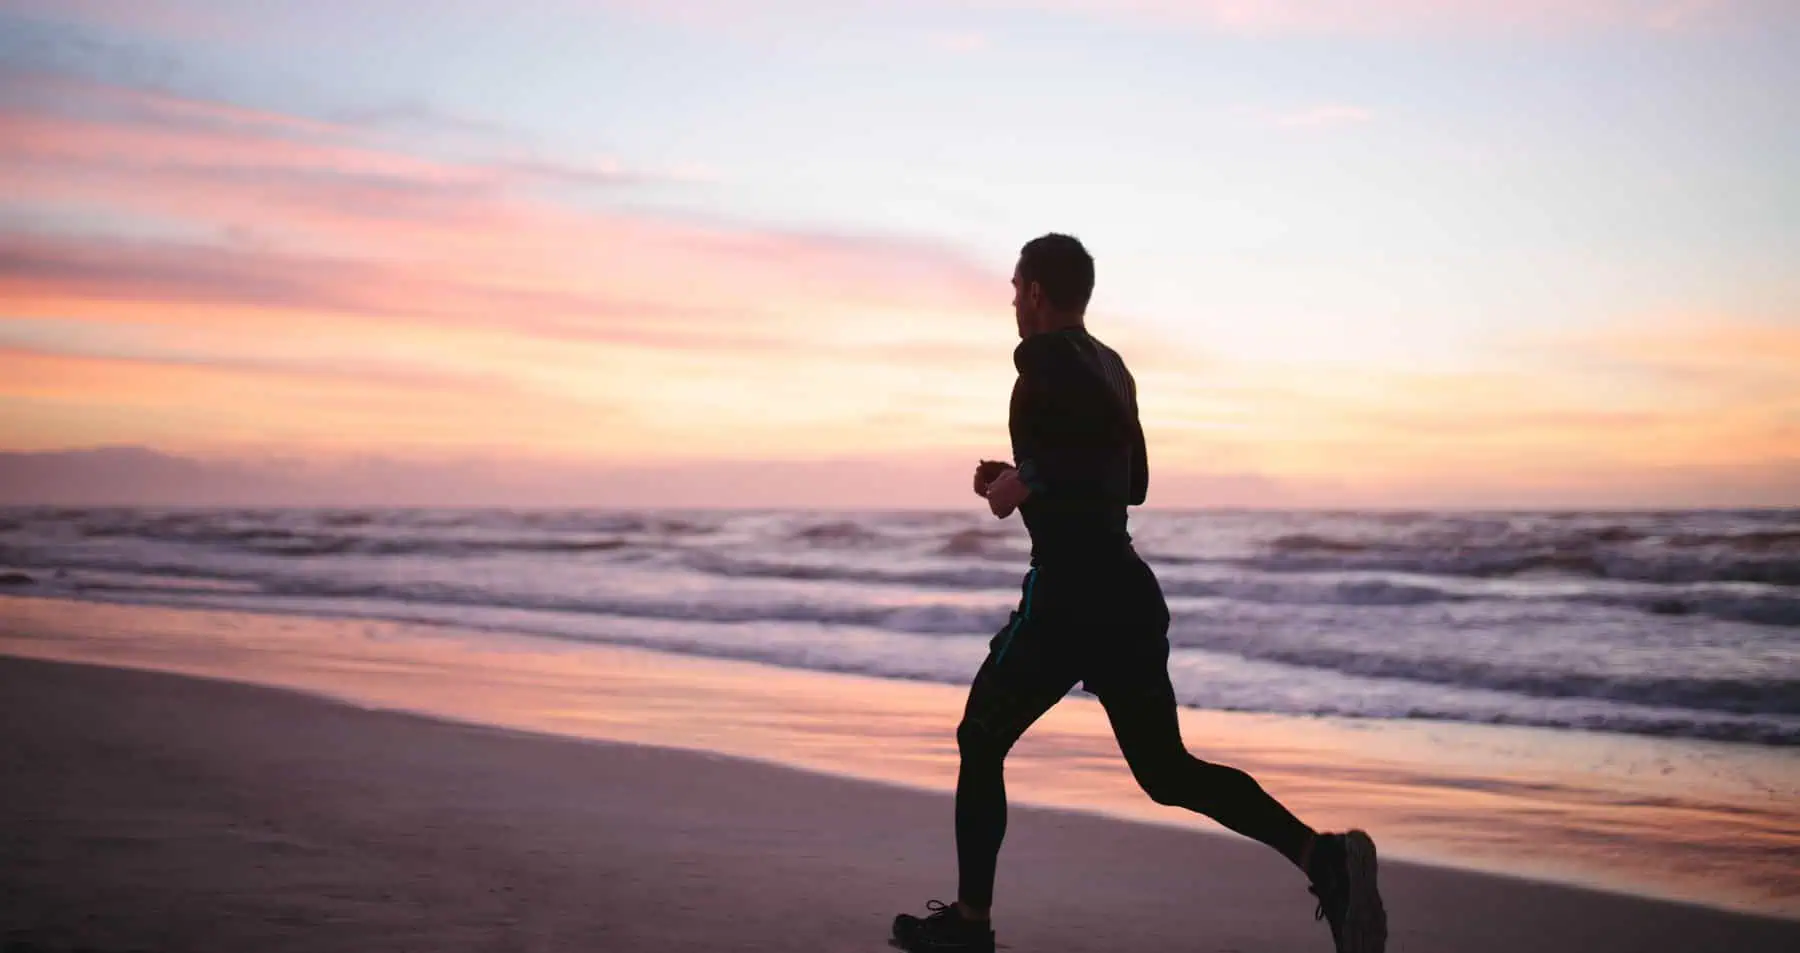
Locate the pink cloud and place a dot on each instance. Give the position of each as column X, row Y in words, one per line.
column 52, row 273
column 348, row 225
column 104, row 362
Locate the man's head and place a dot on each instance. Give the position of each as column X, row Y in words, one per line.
column 1051, row 284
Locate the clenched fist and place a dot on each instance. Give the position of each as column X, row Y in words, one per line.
column 986, row 472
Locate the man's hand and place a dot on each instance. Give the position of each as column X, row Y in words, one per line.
column 985, row 472
column 1006, row 492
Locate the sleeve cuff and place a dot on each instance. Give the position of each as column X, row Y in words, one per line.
column 1031, row 477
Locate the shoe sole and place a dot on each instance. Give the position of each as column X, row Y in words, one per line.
column 1365, row 920
column 898, row 941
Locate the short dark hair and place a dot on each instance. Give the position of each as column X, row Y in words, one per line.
column 1061, row 267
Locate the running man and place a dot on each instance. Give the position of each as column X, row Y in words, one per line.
column 1092, row 612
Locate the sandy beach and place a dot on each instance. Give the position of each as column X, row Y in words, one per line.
column 145, row 811
column 1689, row 821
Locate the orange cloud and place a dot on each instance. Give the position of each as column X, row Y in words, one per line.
column 53, row 400
column 232, row 238
column 295, row 184
column 1639, row 410
column 1717, row 350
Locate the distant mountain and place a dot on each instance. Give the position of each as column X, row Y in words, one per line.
column 133, row 475
column 140, row 476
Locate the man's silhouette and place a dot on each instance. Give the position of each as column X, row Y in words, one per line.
column 1091, row 611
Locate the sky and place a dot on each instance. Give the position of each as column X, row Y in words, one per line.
column 1383, row 253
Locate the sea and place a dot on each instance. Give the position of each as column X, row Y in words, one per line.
column 1668, row 624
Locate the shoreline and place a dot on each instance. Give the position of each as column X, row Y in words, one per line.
column 170, row 812
column 1483, row 799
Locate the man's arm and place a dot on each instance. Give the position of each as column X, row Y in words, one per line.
column 1140, row 457
column 1075, row 430
column 1034, row 418
column 1061, row 420
column 1140, row 465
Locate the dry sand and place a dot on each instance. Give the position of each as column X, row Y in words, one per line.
column 143, row 811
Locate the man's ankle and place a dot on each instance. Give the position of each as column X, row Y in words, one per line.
column 970, row 913
column 1326, row 860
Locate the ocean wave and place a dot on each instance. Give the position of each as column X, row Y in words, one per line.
column 1751, row 539
column 1291, row 591
column 1650, row 548
column 1281, row 590
column 1310, row 544
column 1776, row 609
column 1769, row 606
column 837, row 533
column 1755, row 731
column 299, row 544
column 918, row 618
column 971, row 578
column 331, row 530
column 913, row 616
column 976, row 542
column 1738, row 696
column 1605, row 552
column 1740, row 732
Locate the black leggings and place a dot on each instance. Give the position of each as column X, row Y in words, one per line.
column 1106, row 626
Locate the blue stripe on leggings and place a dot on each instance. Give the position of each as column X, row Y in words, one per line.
column 1024, row 613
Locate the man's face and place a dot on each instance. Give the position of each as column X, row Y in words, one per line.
column 1026, row 299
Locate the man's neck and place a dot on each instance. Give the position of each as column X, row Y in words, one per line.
column 1052, row 325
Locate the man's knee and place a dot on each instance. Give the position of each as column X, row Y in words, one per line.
column 1181, row 780
column 1164, row 776
column 1163, row 790
column 977, row 740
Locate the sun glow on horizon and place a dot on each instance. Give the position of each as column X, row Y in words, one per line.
column 237, row 256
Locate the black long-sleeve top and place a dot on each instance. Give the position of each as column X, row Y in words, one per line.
column 1077, row 444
